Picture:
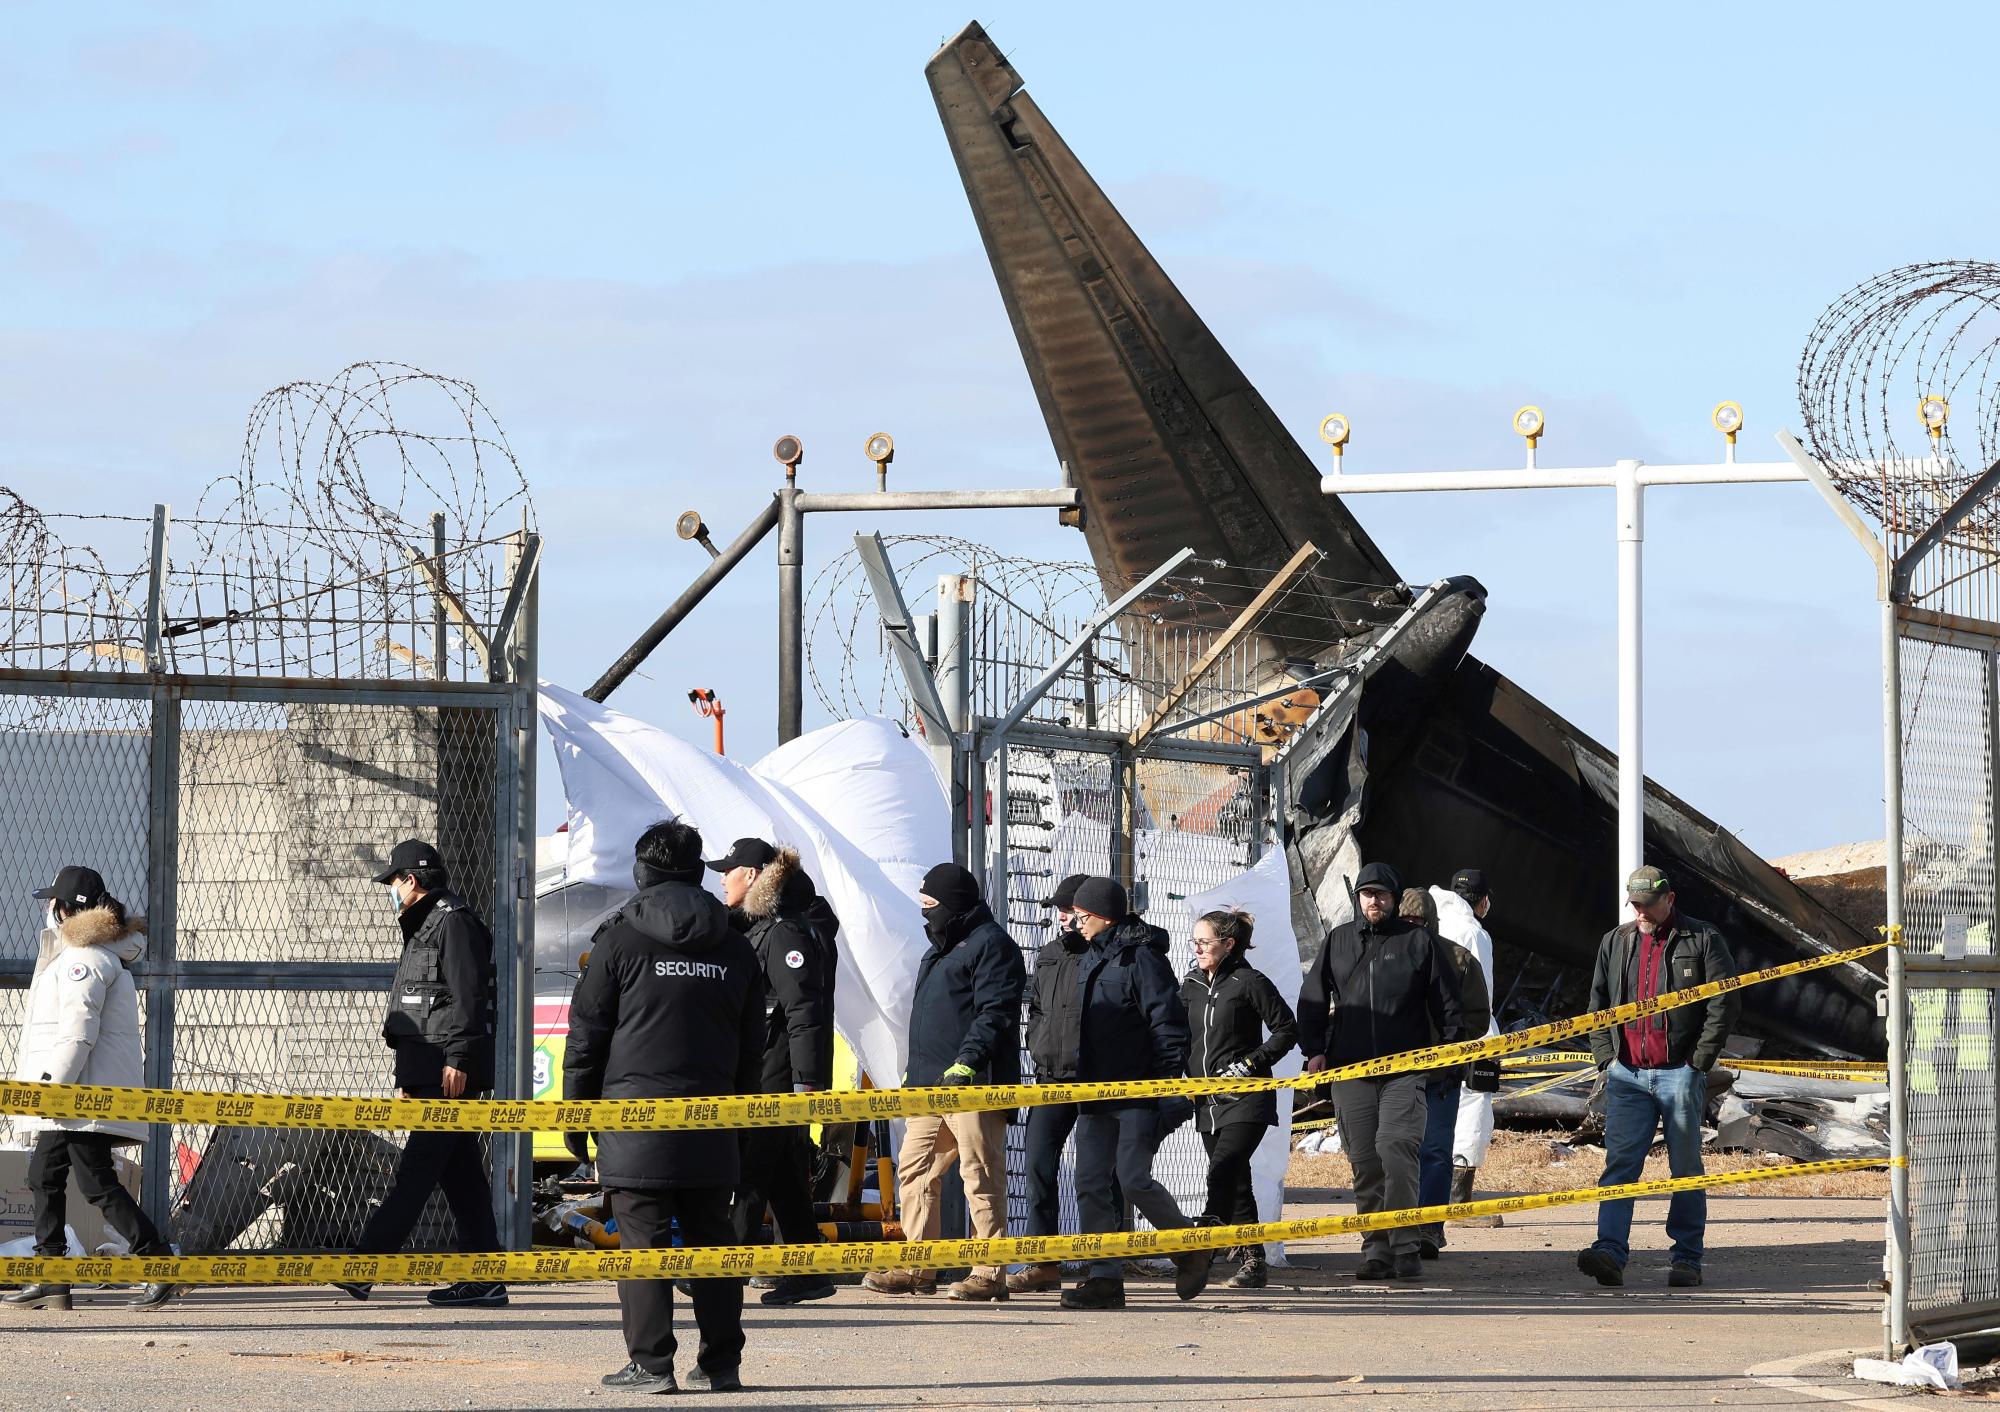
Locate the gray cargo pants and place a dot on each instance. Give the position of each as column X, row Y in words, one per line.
column 1381, row 1130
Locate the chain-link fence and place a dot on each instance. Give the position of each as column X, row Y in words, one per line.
column 1949, row 703
column 246, row 822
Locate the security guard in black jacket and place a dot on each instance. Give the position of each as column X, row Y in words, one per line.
column 440, row 1028
column 774, row 904
column 670, row 1005
column 1054, row 1031
column 1133, row 1026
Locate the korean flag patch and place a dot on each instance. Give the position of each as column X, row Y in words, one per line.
column 77, row 971
column 795, row 959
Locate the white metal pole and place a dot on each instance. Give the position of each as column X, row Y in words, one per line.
column 1899, row 1103
column 1631, row 510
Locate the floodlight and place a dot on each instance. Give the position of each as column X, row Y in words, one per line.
column 881, row 448
column 1934, row 412
column 689, row 525
column 789, row 451
column 1528, row 423
column 1335, row 430
column 1727, row 419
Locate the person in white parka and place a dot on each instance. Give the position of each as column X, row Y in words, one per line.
column 81, row 1026
column 1462, row 912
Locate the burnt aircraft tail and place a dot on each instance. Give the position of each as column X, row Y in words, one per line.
column 1431, row 760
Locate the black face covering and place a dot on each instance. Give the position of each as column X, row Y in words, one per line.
column 1070, row 937
column 937, row 924
column 646, row 875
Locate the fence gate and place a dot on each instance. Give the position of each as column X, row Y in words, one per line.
column 1951, row 972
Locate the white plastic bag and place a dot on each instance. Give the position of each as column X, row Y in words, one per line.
column 1933, row 1365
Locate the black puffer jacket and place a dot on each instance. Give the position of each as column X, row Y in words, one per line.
column 1239, row 1016
column 1055, row 1021
column 793, row 931
column 967, row 1006
column 1376, row 989
column 441, row 1005
column 671, row 1005
column 1134, row 1025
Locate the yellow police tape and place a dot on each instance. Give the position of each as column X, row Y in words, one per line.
column 536, row 1266
column 1528, row 1066
column 605, row 1115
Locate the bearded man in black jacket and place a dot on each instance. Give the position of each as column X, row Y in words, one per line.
column 1380, row 985
column 670, row 1005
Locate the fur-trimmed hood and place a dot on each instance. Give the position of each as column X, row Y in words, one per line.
column 766, row 894
column 99, row 926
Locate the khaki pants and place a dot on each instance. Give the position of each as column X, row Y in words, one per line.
column 931, row 1143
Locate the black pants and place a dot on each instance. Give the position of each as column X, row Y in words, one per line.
column 646, row 1307
column 1118, row 1140
column 1232, row 1199
column 56, row 1152
column 1048, row 1129
column 447, row 1162
column 777, row 1172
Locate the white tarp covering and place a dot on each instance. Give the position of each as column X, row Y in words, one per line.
column 859, row 800
column 1265, row 891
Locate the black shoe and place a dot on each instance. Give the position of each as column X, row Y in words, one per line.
column 38, row 1296
column 1251, row 1274
column 1599, row 1265
column 1191, row 1271
column 633, row 1378
column 155, row 1297
column 1409, row 1267
column 715, row 1380
column 797, row 1289
column 1427, row 1250
column 354, row 1289
column 1095, row 1293
column 1682, row 1276
column 469, row 1294
column 1374, row 1270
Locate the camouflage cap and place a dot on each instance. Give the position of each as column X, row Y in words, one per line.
column 1647, row 884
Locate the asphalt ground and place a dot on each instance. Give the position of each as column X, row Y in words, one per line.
column 1504, row 1320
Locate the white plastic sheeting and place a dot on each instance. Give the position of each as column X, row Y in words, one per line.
column 859, row 800
column 1265, row 891
column 1459, row 924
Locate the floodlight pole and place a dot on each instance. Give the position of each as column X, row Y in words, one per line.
column 1630, row 479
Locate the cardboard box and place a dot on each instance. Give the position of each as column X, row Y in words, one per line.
column 17, row 1202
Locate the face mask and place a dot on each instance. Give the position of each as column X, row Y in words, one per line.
column 50, row 921
column 395, row 899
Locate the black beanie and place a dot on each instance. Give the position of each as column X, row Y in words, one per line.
column 1102, row 897
column 955, row 889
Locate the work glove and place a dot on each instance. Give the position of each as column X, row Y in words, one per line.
column 1239, row 1070
column 579, row 1146
column 1174, row 1110
column 958, row 1074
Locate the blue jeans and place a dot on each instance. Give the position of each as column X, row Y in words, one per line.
column 1636, row 1101
column 1434, row 1157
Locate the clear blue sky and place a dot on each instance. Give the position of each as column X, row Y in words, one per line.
column 655, row 237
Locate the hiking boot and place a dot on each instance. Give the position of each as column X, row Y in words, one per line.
column 1428, row 1250
column 797, row 1289
column 900, row 1281
column 714, row 1379
column 633, row 1378
column 1034, row 1279
column 1374, row 1269
column 1599, row 1265
column 469, row 1294
column 155, row 1296
column 38, row 1296
column 1409, row 1267
column 977, row 1289
column 1683, row 1276
column 1253, row 1273
column 1098, row 1292
column 1461, row 1192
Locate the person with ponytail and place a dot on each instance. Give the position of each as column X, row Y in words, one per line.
column 1239, row 1027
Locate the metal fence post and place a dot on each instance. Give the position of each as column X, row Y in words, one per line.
column 791, row 616
column 515, row 829
column 1897, row 1332
column 162, row 874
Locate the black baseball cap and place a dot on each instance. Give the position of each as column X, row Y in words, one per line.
column 745, row 853
column 1065, row 893
column 1470, row 882
column 407, row 856
column 74, row 885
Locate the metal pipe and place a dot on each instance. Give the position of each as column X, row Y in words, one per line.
column 1898, row 1320
column 954, row 683
column 1569, row 478
column 816, row 501
column 791, row 616
column 628, row 662
column 438, row 625
column 1631, row 530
